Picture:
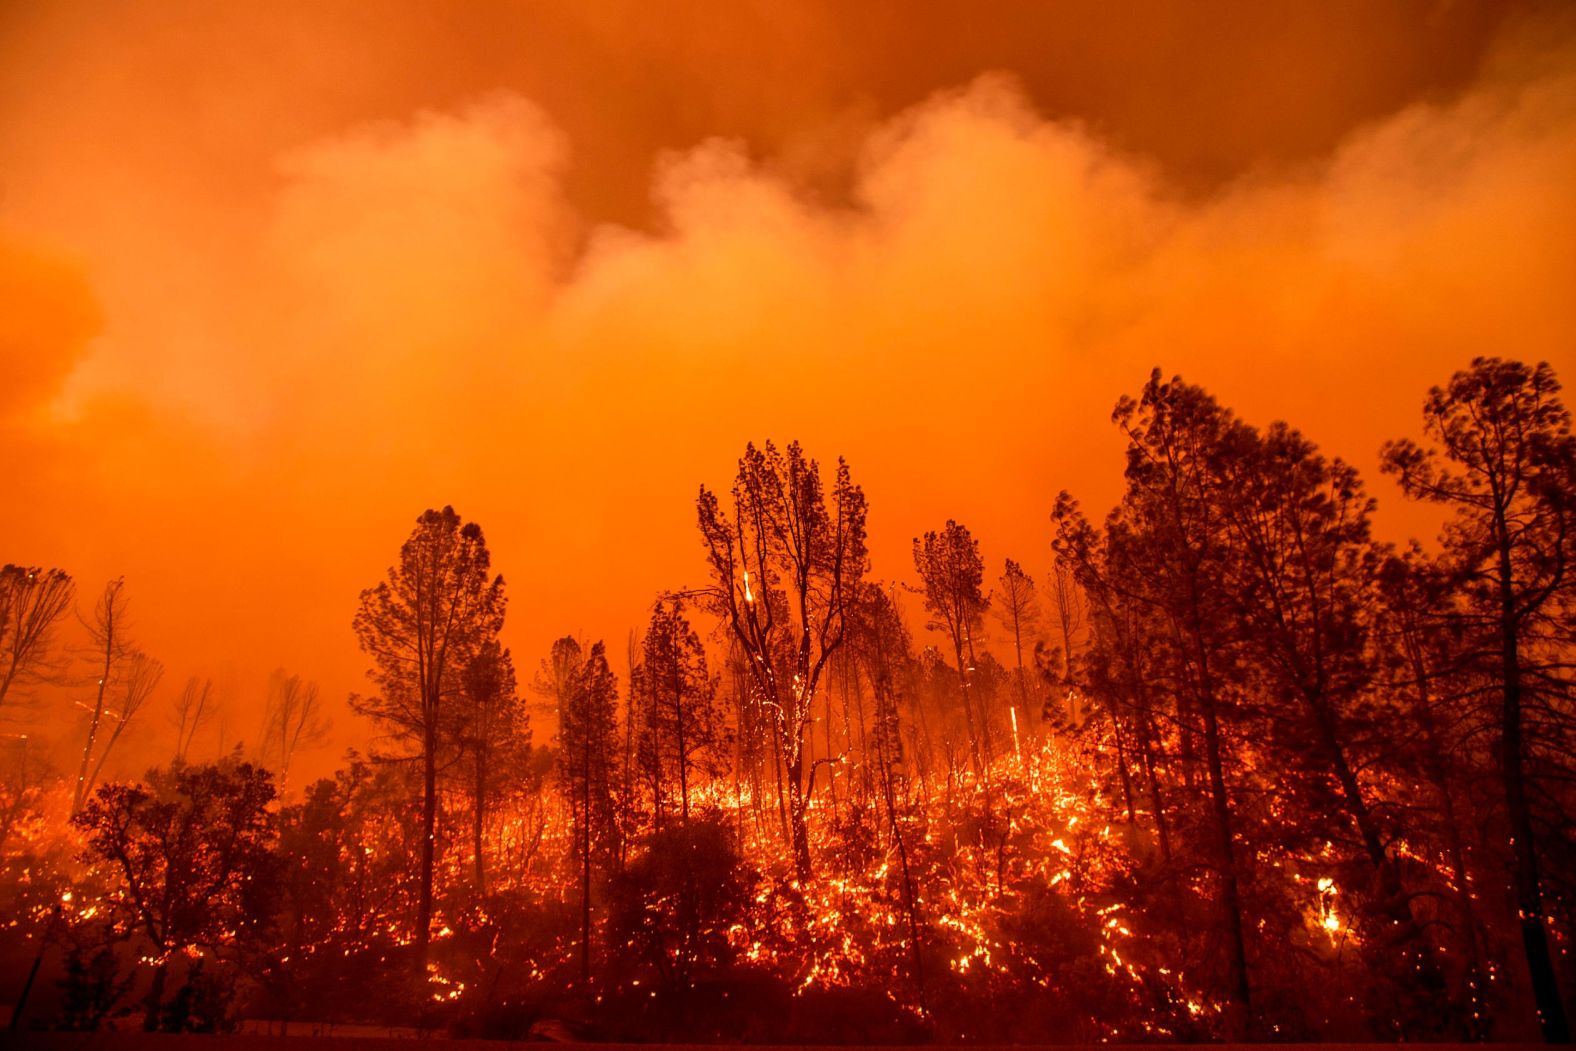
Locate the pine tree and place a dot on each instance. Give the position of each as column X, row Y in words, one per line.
column 587, row 696
column 422, row 626
column 682, row 733
column 1019, row 613
column 495, row 736
column 1504, row 460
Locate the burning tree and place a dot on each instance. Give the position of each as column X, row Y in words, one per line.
column 676, row 903
column 786, row 562
column 422, row 626
column 1264, row 814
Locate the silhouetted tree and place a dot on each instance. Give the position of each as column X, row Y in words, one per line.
column 193, row 852
column 1304, row 591
column 1168, row 529
column 346, row 892
column 881, row 643
column 495, row 739
column 126, row 678
column 1071, row 611
column 422, row 626
column 785, row 563
column 587, row 696
column 1504, row 460
column 682, row 734
column 32, row 601
column 191, row 711
column 137, row 680
column 1019, row 613
column 952, row 575
column 107, row 633
column 675, row 903
column 1420, row 650
column 292, row 717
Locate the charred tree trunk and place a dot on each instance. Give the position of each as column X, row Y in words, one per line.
column 429, row 834
column 479, row 823
column 1524, row 863
column 154, row 1001
column 798, row 805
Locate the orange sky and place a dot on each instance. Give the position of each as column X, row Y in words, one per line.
column 274, row 278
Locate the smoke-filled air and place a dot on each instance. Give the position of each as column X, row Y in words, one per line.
column 788, row 522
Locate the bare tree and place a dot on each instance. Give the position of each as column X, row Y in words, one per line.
column 138, row 679
column 24, row 778
column 785, row 564
column 293, row 717
column 107, row 632
column 882, row 646
column 32, row 601
column 192, row 710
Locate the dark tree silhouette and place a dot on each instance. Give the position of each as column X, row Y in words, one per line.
column 1019, row 612
column 1168, row 530
column 881, row 644
column 1304, row 587
column 682, row 735
column 192, row 709
column 675, row 903
column 106, row 630
column 125, row 678
column 587, row 697
column 422, row 626
column 292, row 717
column 786, row 561
column 952, row 576
column 135, row 683
column 32, row 602
column 193, row 852
column 1503, row 458
column 495, row 740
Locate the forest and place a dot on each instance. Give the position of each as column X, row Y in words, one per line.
column 1217, row 764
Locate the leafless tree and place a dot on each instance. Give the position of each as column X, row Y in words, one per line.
column 110, row 651
column 785, row 563
column 192, row 710
column 32, row 601
column 292, row 718
column 138, row 678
